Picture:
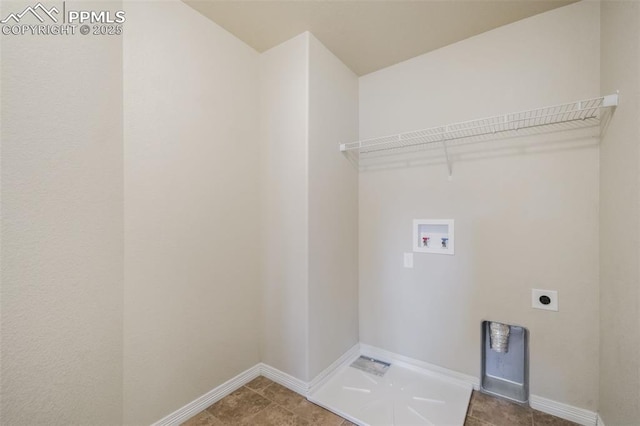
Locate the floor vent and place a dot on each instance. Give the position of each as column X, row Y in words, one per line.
column 371, row 366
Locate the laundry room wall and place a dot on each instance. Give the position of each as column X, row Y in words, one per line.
column 284, row 223
column 309, row 103
column 620, row 217
column 62, row 228
column 191, row 296
column 526, row 214
column 333, row 209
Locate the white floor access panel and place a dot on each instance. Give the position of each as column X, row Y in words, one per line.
column 400, row 397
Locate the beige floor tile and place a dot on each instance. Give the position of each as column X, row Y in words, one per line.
column 259, row 383
column 317, row 415
column 238, row 406
column 203, row 418
column 499, row 412
column 470, row 421
column 544, row 419
column 283, row 396
column 263, row 402
column 275, row 415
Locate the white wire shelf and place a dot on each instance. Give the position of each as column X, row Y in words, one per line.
column 573, row 115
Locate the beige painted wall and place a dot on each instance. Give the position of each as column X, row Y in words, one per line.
column 191, row 297
column 620, row 217
column 194, row 310
column 62, row 229
column 333, row 209
column 284, row 206
column 524, row 218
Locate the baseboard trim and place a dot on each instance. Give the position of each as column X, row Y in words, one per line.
column 346, row 359
column 286, row 380
column 424, row 367
column 565, row 411
column 558, row 409
column 194, row 407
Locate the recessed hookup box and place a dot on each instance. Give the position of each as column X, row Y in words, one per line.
column 505, row 361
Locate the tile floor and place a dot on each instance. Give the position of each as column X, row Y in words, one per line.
column 262, row 402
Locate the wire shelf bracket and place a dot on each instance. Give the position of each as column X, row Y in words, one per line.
column 585, row 113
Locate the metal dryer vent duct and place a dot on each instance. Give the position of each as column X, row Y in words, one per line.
column 505, row 361
column 499, row 337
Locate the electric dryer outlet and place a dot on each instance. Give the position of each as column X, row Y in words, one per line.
column 544, row 299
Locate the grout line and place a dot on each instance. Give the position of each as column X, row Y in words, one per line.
column 303, row 399
column 265, row 407
column 256, row 414
column 259, row 392
column 289, row 411
column 275, row 403
column 233, row 397
column 216, row 419
column 533, row 422
column 255, row 391
column 483, row 422
column 212, row 416
column 208, row 414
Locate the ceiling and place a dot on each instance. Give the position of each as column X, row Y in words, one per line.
column 368, row 35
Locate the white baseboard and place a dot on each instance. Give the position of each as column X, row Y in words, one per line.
column 302, row 387
column 558, row 409
column 194, row 407
column 564, row 411
column 346, row 359
column 286, row 380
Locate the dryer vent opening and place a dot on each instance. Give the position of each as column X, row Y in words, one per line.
column 499, row 337
column 505, row 361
